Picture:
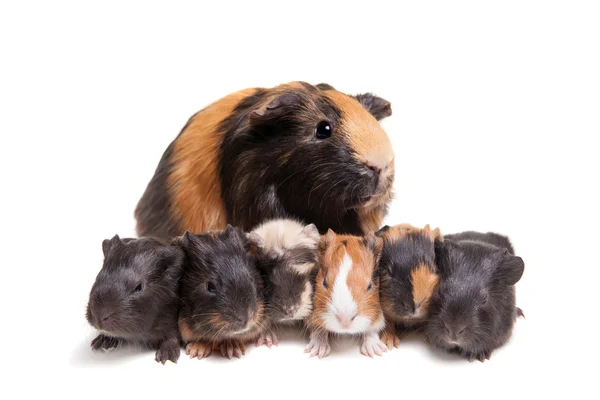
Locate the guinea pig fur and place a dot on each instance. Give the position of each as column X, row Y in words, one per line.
column 408, row 277
column 293, row 151
column 287, row 257
column 346, row 299
column 492, row 238
column 473, row 311
column 134, row 297
column 221, row 293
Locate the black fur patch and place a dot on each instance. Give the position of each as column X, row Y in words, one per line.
column 475, row 301
column 275, row 167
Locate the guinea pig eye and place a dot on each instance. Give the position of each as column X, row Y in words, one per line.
column 370, row 286
column 323, row 130
column 138, row 288
column 325, row 285
column 211, row 287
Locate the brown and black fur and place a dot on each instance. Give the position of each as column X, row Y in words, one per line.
column 253, row 155
column 222, row 302
column 409, row 278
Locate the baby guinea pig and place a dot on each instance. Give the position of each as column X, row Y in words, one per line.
column 408, row 277
column 287, row 257
column 134, row 297
column 473, row 311
column 346, row 298
column 221, row 293
column 296, row 150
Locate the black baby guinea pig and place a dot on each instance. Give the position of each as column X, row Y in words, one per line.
column 221, row 293
column 473, row 311
column 134, row 297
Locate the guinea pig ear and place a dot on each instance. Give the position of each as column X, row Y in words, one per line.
column 275, row 106
column 108, row 244
column 185, row 240
column 437, row 235
column 383, row 230
column 378, row 107
column 311, row 232
column 511, row 268
column 326, row 239
column 324, row 86
column 255, row 238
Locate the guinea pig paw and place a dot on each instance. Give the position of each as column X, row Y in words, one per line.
column 372, row 345
column 318, row 346
column 105, row 342
column 268, row 338
column 232, row 348
column 390, row 339
column 168, row 351
column 198, row 349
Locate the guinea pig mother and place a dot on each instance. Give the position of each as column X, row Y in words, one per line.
column 292, row 151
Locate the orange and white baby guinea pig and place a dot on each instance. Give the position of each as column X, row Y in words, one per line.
column 346, row 299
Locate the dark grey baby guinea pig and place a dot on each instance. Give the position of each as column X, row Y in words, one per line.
column 221, row 293
column 287, row 259
column 473, row 311
column 134, row 297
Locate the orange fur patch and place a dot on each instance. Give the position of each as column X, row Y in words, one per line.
column 194, row 181
column 331, row 255
column 367, row 138
column 424, row 282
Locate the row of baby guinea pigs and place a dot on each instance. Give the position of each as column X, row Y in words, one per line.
column 218, row 291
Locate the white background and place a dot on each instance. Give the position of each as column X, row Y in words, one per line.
column 496, row 117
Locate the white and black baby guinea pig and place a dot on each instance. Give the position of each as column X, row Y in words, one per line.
column 287, row 258
column 134, row 297
column 473, row 311
column 346, row 299
column 221, row 293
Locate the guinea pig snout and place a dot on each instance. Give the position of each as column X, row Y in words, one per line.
column 454, row 331
column 346, row 318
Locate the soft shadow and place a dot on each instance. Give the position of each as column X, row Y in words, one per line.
column 83, row 355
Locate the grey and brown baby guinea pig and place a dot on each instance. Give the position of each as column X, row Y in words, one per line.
column 134, row 297
column 296, row 150
column 221, row 293
column 473, row 311
column 346, row 299
column 287, row 257
column 409, row 277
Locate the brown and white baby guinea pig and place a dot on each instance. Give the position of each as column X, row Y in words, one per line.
column 346, row 299
column 473, row 310
column 295, row 150
column 408, row 277
column 221, row 293
column 134, row 297
column 287, row 257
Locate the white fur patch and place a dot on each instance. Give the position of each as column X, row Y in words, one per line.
column 280, row 235
column 342, row 303
column 303, row 269
column 305, row 303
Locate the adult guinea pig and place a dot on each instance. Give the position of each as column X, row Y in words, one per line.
column 408, row 278
column 134, row 297
column 346, row 298
column 473, row 311
column 221, row 293
column 287, row 257
column 295, row 150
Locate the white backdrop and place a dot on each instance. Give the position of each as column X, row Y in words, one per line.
column 495, row 107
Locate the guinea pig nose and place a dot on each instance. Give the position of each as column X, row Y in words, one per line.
column 373, row 168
